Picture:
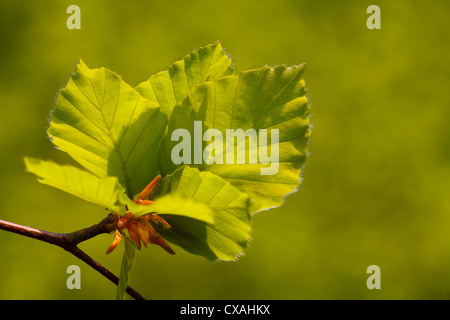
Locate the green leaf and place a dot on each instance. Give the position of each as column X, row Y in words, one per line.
column 228, row 235
column 127, row 263
column 173, row 204
column 266, row 98
column 107, row 127
column 170, row 87
column 101, row 191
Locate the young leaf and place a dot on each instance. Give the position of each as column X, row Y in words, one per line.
column 173, row 204
column 228, row 235
column 107, row 127
column 102, row 191
column 266, row 98
column 127, row 263
column 169, row 88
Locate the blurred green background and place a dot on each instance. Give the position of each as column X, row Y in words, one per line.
column 376, row 187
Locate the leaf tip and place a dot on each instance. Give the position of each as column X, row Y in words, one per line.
column 82, row 66
column 29, row 162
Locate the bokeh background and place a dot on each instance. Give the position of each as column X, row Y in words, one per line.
column 376, row 187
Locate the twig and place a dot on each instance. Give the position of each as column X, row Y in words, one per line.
column 69, row 242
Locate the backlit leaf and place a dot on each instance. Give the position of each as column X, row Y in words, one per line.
column 80, row 183
column 174, row 204
column 107, row 127
column 170, row 87
column 227, row 236
column 267, row 98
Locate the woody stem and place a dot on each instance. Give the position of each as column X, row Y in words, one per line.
column 69, row 242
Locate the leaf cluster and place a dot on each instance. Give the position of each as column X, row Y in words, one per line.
column 121, row 137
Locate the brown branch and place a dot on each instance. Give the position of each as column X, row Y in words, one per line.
column 69, row 242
